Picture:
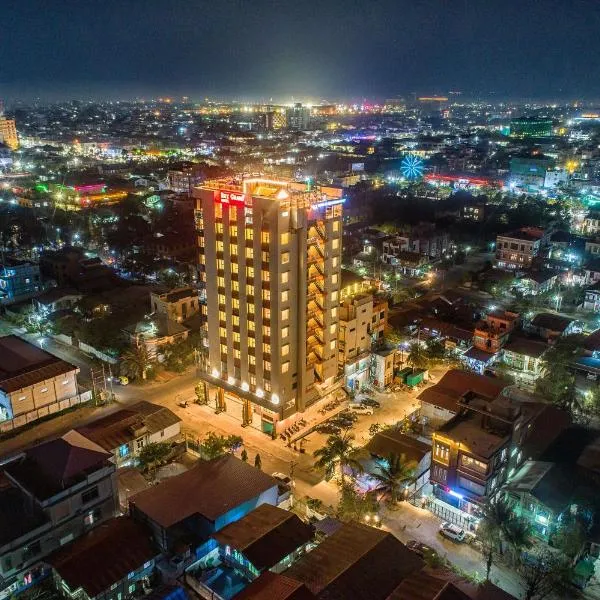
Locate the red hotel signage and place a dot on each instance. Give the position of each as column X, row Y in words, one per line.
column 225, row 197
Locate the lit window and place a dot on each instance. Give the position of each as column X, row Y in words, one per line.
column 285, row 367
column 285, row 331
column 265, row 237
column 251, row 342
column 252, row 359
column 335, row 244
column 249, row 253
column 332, row 345
column 250, row 325
column 334, row 278
column 285, row 277
column 336, row 225
column 285, row 350
column 285, row 238
column 285, row 258
column 284, row 296
column 334, row 261
column 249, row 271
column 266, row 294
column 332, row 329
column 285, row 314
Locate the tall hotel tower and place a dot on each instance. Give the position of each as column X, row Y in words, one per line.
column 270, row 258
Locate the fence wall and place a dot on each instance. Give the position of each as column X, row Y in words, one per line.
column 38, row 413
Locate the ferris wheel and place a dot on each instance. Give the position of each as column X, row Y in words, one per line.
column 412, row 166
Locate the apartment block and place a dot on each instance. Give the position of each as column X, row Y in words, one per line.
column 270, row 258
column 517, row 249
column 50, row 495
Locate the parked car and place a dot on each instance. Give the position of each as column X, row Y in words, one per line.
column 360, row 409
column 370, row 402
column 328, row 429
column 423, row 550
column 283, row 478
column 452, row 532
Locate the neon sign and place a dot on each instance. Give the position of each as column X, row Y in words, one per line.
column 225, row 197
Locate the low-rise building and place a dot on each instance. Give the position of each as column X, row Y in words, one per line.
column 382, row 367
column 115, row 560
column 156, row 333
column 549, row 326
column 524, row 359
column 439, row 402
column 33, row 382
column 517, row 249
column 267, row 539
column 356, row 561
column 19, row 280
column 125, row 432
column 186, row 510
column 50, row 495
column 476, row 451
column 176, row 305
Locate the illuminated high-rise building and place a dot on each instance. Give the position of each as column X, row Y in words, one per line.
column 8, row 133
column 270, row 258
column 298, row 117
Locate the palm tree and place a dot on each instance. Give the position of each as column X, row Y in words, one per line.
column 338, row 450
column 393, row 476
column 416, row 357
column 136, row 361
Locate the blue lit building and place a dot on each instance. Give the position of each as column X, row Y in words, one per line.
column 19, row 280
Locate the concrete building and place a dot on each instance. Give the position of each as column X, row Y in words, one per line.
column 177, row 305
column 33, row 382
column 51, row 494
column 297, row 117
column 19, row 280
column 115, row 560
column 517, row 249
column 124, row 433
column 270, row 258
column 8, row 133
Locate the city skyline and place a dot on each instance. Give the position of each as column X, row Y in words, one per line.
column 335, row 49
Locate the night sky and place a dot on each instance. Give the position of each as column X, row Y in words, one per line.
column 337, row 49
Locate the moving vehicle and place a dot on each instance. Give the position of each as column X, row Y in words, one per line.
column 123, row 380
column 452, row 532
column 360, row 409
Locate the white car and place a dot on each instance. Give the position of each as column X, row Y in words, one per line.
column 452, row 532
column 360, row 409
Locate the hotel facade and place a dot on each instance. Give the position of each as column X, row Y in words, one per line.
column 270, row 259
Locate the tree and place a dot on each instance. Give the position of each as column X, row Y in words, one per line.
column 517, row 534
column 393, row 476
column 354, row 506
column 244, row 455
column 557, row 383
column 435, row 349
column 337, row 451
column 153, row 455
column 215, row 445
column 496, row 515
column 258, row 462
column 545, row 573
column 136, row 361
column 416, row 357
